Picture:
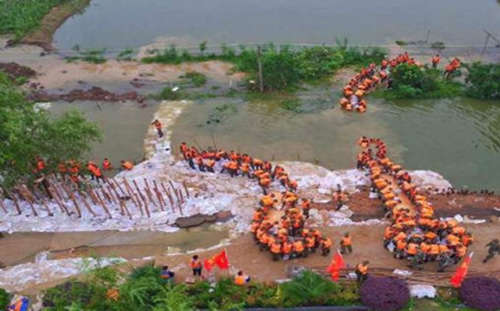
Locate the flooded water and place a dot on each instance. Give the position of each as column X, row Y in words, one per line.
column 118, row 24
column 124, row 127
column 460, row 139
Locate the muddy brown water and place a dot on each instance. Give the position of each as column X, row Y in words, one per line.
column 120, row 24
column 459, row 139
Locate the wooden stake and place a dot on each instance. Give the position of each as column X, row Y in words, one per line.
column 180, row 204
column 158, row 196
column 119, row 187
column 149, row 193
column 26, row 197
column 44, row 202
column 134, row 198
column 106, row 196
column 103, row 205
column 168, row 196
column 185, row 188
column 146, row 208
column 110, row 192
column 16, row 203
column 78, row 210
column 3, row 206
column 143, row 198
column 87, row 205
column 140, row 204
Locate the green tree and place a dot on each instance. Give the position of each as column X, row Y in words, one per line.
column 483, row 81
column 308, row 288
column 27, row 133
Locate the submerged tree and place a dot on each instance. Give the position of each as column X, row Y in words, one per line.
column 27, row 133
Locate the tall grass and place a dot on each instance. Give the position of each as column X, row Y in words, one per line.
column 19, row 17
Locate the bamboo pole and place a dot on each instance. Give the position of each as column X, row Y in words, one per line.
column 146, row 208
column 134, row 198
column 112, row 186
column 14, row 199
column 181, row 195
column 159, row 195
column 140, row 204
column 61, row 205
column 75, row 203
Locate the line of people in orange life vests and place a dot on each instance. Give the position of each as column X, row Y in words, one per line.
column 74, row 169
column 235, row 163
column 287, row 238
column 453, row 66
column 416, row 235
column 368, row 79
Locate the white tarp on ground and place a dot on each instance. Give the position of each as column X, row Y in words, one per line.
column 27, row 275
column 422, row 291
column 209, row 193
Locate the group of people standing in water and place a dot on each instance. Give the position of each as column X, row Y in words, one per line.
column 371, row 77
column 415, row 233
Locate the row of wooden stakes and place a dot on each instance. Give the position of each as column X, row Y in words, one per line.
column 111, row 193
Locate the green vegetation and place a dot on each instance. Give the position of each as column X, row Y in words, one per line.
column 91, row 56
column 126, row 55
column 4, row 299
column 194, row 78
column 19, row 17
column 411, row 81
column 283, row 67
column 483, row 81
column 26, row 133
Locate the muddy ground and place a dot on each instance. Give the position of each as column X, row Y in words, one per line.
column 242, row 252
column 15, row 71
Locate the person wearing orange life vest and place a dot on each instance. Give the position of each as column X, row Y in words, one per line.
column 435, row 61
column 62, row 170
column 126, row 165
column 310, row 244
column 306, row 206
column 184, row 150
column 210, row 165
column 158, row 126
column 40, row 165
column 241, row 279
column 245, row 169
column 276, row 250
column 460, row 252
column 264, row 241
column 200, row 163
column 298, row 249
column 196, row 265
column 362, row 271
column 326, row 245
column 106, row 164
column 346, row 244
column 264, row 183
column 98, row 174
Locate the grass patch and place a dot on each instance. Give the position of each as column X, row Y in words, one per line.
column 483, row 81
column 126, row 55
column 194, row 78
column 19, row 17
column 94, row 56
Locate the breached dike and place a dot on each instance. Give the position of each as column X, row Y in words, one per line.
column 209, row 194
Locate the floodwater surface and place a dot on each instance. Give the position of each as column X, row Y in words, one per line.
column 124, row 127
column 120, row 24
column 459, row 139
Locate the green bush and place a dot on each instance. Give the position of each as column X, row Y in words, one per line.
column 76, row 293
column 483, row 81
column 4, row 299
column 173, row 298
column 411, row 81
column 308, row 289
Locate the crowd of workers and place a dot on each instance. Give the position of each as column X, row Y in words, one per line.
column 415, row 233
column 285, row 237
column 74, row 170
column 372, row 76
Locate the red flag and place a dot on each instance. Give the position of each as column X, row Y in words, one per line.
column 461, row 272
column 209, row 264
column 221, row 260
column 335, row 266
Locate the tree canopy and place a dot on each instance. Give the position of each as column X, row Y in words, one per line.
column 27, row 133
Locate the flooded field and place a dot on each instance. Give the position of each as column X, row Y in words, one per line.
column 119, row 24
column 459, row 139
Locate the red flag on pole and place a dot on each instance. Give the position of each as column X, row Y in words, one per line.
column 221, row 260
column 461, row 272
